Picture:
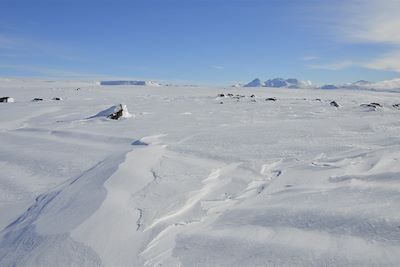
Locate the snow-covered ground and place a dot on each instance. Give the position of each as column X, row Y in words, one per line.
column 192, row 179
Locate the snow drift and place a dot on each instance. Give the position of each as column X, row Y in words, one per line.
column 189, row 182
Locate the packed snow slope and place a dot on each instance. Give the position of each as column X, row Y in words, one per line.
column 196, row 179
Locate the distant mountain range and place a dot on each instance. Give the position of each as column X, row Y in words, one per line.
column 393, row 84
column 279, row 83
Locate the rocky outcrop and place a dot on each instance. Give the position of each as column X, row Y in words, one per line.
column 6, row 99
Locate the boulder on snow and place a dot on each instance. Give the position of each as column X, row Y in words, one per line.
column 36, row 99
column 115, row 113
column 334, row 104
column 6, row 99
column 396, row 106
column 371, row 106
column 56, row 98
column 270, row 99
column 376, row 104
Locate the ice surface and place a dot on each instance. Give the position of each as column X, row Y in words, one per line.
column 191, row 182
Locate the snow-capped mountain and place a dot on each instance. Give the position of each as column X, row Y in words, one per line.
column 279, row 83
column 393, row 84
column 362, row 83
column 255, row 83
column 388, row 85
column 289, row 83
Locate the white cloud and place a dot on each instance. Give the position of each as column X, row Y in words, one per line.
column 371, row 21
column 389, row 62
column 368, row 22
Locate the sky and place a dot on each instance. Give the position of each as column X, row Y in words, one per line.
column 202, row 41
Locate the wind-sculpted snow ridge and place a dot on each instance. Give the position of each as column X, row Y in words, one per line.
column 267, row 178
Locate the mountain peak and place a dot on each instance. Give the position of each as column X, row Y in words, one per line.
column 279, row 83
column 255, row 83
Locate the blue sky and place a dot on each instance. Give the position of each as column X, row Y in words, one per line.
column 205, row 41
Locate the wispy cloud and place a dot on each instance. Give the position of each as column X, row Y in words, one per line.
column 217, row 67
column 22, row 46
column 388, row 62
column 371, row 21
column 51, row 72
column 368, row 22
column 309, row 58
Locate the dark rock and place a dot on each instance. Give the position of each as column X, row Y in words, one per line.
column 270, row 99
column 221, row 102
column 117, row 115
column 317, row 99
column 252, row 96
column 221, row 95
column 139, row 143
column 371, row 106
column 6, row 99
column 376, row 104
column 230, row 95
column 396, row 106
column 57, row 98
column 334, row 104
column 37, row 99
